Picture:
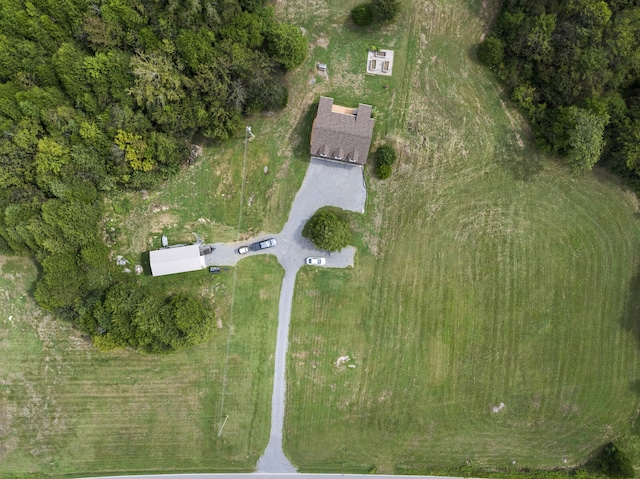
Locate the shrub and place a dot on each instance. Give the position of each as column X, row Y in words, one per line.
column 385, row 10
column 107, row 342
column 613, row 462
column 328, row 232
column 386, row 155
column 287, row 45
column 362, row 15
column 383, row 170
column 491, row 52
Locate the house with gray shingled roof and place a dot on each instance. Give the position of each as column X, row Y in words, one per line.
column 340, row 133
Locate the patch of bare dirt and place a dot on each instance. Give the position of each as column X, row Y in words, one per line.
column 372, row 239
column 159, row 222
column 633, row 198
column 353, row 82
column 536, row 402
column 513, row 124
column 322, row 42
column 8, row 445
column 284, row 168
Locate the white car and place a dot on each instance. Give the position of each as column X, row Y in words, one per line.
column 243, row 250
column 316, row 261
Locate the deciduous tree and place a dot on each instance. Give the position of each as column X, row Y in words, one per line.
column 328, row 232
column 287, row 45
column 385, row 10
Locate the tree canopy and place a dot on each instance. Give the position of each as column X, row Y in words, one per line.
column 385, row 158
column 327, row 231
column 385, row 10
column 573, row 69
column 362, row 14
column 100, row 96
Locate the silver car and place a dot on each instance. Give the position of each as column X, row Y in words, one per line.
column 270, row 243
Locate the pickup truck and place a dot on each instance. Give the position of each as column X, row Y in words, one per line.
column 270, row 243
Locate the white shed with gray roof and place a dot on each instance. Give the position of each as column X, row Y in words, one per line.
column 177, row 259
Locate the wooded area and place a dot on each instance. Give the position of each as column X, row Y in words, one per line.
column 572, row 67
column 99, row 97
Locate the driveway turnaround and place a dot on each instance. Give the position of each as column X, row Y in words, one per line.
column 325, row 184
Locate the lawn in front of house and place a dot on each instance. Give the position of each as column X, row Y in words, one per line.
column 489, row 321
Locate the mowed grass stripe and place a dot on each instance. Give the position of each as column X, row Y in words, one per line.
column 75, row 411
column 499, row 278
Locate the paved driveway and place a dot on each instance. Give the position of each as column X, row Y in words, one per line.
column 325, row 184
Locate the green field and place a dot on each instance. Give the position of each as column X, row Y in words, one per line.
column 67, row 409
column 488, row 275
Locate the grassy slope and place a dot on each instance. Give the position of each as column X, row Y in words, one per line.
column 497, row 277
column 487, row 274
column 206, row 197
column 68, row 409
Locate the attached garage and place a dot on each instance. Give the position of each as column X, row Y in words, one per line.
column 176, row 259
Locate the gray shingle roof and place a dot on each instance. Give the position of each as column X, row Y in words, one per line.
column 340, row 133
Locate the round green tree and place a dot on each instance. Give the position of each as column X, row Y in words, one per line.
column 491, row 52
column 328, row 232
column 287, row 45
column 383, row 170
column 362, row 15
column 385, row 155
column 385, row 11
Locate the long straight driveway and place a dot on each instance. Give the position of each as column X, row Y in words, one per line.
column 325, row 184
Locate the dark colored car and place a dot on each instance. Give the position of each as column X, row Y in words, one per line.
column 270, row 243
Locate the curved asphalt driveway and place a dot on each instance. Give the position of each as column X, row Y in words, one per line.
column 325, row 184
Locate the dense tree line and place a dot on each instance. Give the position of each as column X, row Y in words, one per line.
column 96, row 96
column 573, row 68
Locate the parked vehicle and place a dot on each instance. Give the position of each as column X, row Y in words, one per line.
column 214, row 269
column 270, row 243
column 243, row 250
column 316, row 261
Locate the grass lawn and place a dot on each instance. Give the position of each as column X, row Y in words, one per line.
column 491, row 279
column 487, row 277
column 69, row 410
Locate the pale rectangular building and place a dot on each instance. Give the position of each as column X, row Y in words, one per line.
column 177, row 259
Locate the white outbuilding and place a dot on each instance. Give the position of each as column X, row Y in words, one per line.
column 176, row 259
